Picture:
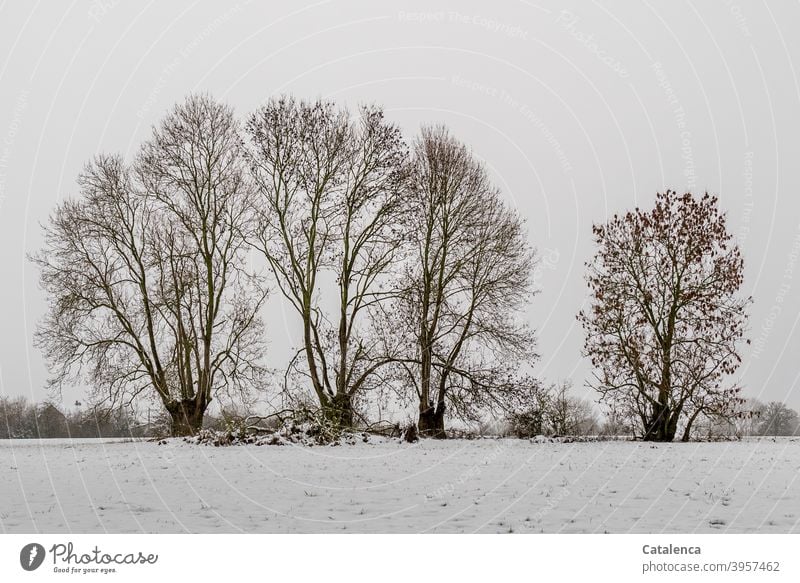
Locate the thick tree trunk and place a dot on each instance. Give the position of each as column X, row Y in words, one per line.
column 672, row 425
column 339, row 410
column 431, row 422
column 187, row 417
column 663, row 422
column 662, row 426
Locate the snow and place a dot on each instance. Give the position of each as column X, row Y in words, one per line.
column 485, row 485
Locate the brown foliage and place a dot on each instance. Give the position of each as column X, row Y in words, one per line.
column 666, row 321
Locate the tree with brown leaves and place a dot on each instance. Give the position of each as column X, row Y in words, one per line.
column 666, row 319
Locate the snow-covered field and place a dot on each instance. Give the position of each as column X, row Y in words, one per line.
column 453, row 486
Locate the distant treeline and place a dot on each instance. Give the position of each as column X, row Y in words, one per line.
column 23, row 419
column 20, row 419
column 557, row 413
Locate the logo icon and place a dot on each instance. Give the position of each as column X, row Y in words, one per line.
column 31, row 556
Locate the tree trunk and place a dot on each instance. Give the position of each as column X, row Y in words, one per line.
column 312, row 363
column 663, row 422
column 687, row 432
column 339, row 410
column 187, row 417
column 672, row 425
column 431, row 422
column 662, row 425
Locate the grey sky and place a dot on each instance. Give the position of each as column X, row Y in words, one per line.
column 580, row 110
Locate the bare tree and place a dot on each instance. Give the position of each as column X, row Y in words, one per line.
column 778, row 419
column 752, row 413
column 666, row 321
column 17, row 418
column 569, row 415
column 468, row 279
column 552, row 410
column 330, row 193
column 145, row 271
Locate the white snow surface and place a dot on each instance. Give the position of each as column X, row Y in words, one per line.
column 382, row 486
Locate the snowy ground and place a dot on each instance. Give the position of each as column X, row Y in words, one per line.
column 454, row 486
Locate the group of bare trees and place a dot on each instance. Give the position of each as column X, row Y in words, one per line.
column 757, row 418
column 406, row 271
column 553, row 410
column 21, row 419
column 404, row 266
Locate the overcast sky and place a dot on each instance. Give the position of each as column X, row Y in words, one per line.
column 579, row 109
